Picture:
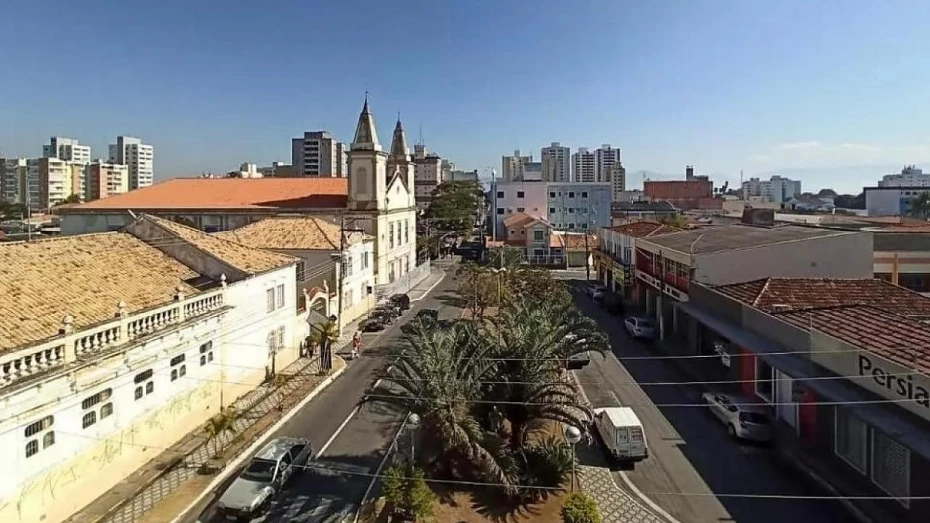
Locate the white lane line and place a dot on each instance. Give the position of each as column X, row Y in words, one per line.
column 645, row 499
column 342, row 426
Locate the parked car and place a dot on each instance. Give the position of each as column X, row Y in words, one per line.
column 597, row 292
column 743, row 419
column 639, row 328
column 402, row 301
column 388, row 310
column 622, row 433
column 578, row 361
column 375, row 322
column 264, row 477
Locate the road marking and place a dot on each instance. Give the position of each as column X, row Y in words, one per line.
column 342, row 426
column 614, row 396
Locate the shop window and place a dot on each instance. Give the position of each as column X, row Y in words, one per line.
column 765, row 380
column 891, row 466
column 850, row 438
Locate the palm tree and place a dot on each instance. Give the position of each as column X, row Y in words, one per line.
column 323, row 336
column 920, row 205
column 220, row 424
column 437, row 374
column 533, row 340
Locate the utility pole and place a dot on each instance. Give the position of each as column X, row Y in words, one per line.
column 342, row 267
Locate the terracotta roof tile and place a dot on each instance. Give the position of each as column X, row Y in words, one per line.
column 245, row 258
column 572, row 241
column 643, row 229
column 227, row 193
column 85, row 276
column 732, row 237
column 902, row 340
column 773, row 295
column 519, row 219
column 292, row 232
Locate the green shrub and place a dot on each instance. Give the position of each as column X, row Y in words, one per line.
column 548, row 463
column 580, row 508
column 406, row 490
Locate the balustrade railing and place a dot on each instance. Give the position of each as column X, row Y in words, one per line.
column 73, row 345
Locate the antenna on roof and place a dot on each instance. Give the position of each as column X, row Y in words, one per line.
column 420, row 141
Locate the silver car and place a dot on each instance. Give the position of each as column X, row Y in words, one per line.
column 263, row 478
column 639, row 328
column 743, row 419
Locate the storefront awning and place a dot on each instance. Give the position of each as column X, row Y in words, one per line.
column 887, row 417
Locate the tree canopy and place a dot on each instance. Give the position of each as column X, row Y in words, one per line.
column 454, row 205
column 848, row 201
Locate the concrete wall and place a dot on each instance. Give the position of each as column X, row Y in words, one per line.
column 891, row 201
column 841, row 256
column 534, row 201
column 579, row 204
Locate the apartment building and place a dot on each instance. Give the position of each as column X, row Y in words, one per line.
column 578, row 206
column 910, row 176
column 605, row 157
column 776, row 189
column 103, row 179
column 584, row 166
column 13, row 179
column 135, row 352
column 427, row 175
column 556, row 163
column 614, row 260
column 138, row 157
column 67, row 149
column 50, row 181
column 616, row 175
column 317, row 153
column 514, row 167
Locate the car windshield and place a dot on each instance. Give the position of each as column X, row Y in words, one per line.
column 754, row 417
column 261, row 470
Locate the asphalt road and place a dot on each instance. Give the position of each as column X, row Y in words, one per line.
column 350, row 442
column 690, row 451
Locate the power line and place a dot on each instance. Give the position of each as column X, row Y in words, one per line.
column 316, row 466
column 643, row 405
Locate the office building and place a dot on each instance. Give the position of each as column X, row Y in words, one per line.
column 514, row 167
column 604, row 158
column 318, row 154
column 910, row 176
column 67, row 149
column 777, row 189
column 138, row 157
column 556, row 163
column 584, row 166
column 103, row 179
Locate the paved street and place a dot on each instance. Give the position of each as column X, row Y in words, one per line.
column 352, row 440
column 690, row 450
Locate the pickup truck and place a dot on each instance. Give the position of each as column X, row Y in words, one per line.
column 264, row 477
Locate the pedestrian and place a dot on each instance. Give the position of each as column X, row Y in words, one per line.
column 356, row 344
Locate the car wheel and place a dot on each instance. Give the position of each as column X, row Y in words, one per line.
column 731, row 430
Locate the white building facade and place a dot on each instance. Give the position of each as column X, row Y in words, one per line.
column 427, row 175
column 89, row 400
column 584, row 166
column 103, row 179
column 910, row 176
column 513, row 197
column 556, row 163
column 891, row 200
column 138, row 157
column 67, row 149
column 777, row 189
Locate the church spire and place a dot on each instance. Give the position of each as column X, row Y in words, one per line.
column 366, row 136
column 399, row 150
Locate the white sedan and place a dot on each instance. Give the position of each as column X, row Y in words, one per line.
column 639, row 328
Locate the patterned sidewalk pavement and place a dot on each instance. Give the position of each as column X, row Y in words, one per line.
column 135, row 496
column 616, row 505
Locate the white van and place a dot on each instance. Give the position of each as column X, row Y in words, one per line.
column 622, row 433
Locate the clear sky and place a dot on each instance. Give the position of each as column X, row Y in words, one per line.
column 795, row 86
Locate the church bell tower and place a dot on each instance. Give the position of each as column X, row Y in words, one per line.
column 367, row 165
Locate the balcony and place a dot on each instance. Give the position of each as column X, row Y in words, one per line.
column 74, row 347
column 677, row 281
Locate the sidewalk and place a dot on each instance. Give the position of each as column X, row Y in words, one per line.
column 137, row 495
column 616, row 505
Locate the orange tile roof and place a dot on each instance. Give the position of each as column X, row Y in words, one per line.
column 247, row 259
column 291, row 232
column 904, row 341
column 572, row 241
column 799, row 294
column 520, row 219
column 85, row 276
column 227, row 193
column 643, row 229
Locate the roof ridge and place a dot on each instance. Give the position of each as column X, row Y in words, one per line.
column 319, row 227
column 48, row 239
column 765, row 287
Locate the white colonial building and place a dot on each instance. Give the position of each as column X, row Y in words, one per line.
column 113, row 346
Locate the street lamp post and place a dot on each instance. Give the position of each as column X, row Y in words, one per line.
column 413, row 420
column 573, row 436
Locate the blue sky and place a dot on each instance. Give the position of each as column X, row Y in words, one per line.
column 833, row 89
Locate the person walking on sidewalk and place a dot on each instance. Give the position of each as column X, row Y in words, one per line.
column 356, row 345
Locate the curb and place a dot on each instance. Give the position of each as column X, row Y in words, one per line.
column 361, row 503
column 233, row 465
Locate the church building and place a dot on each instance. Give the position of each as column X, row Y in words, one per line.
column 381, row 197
